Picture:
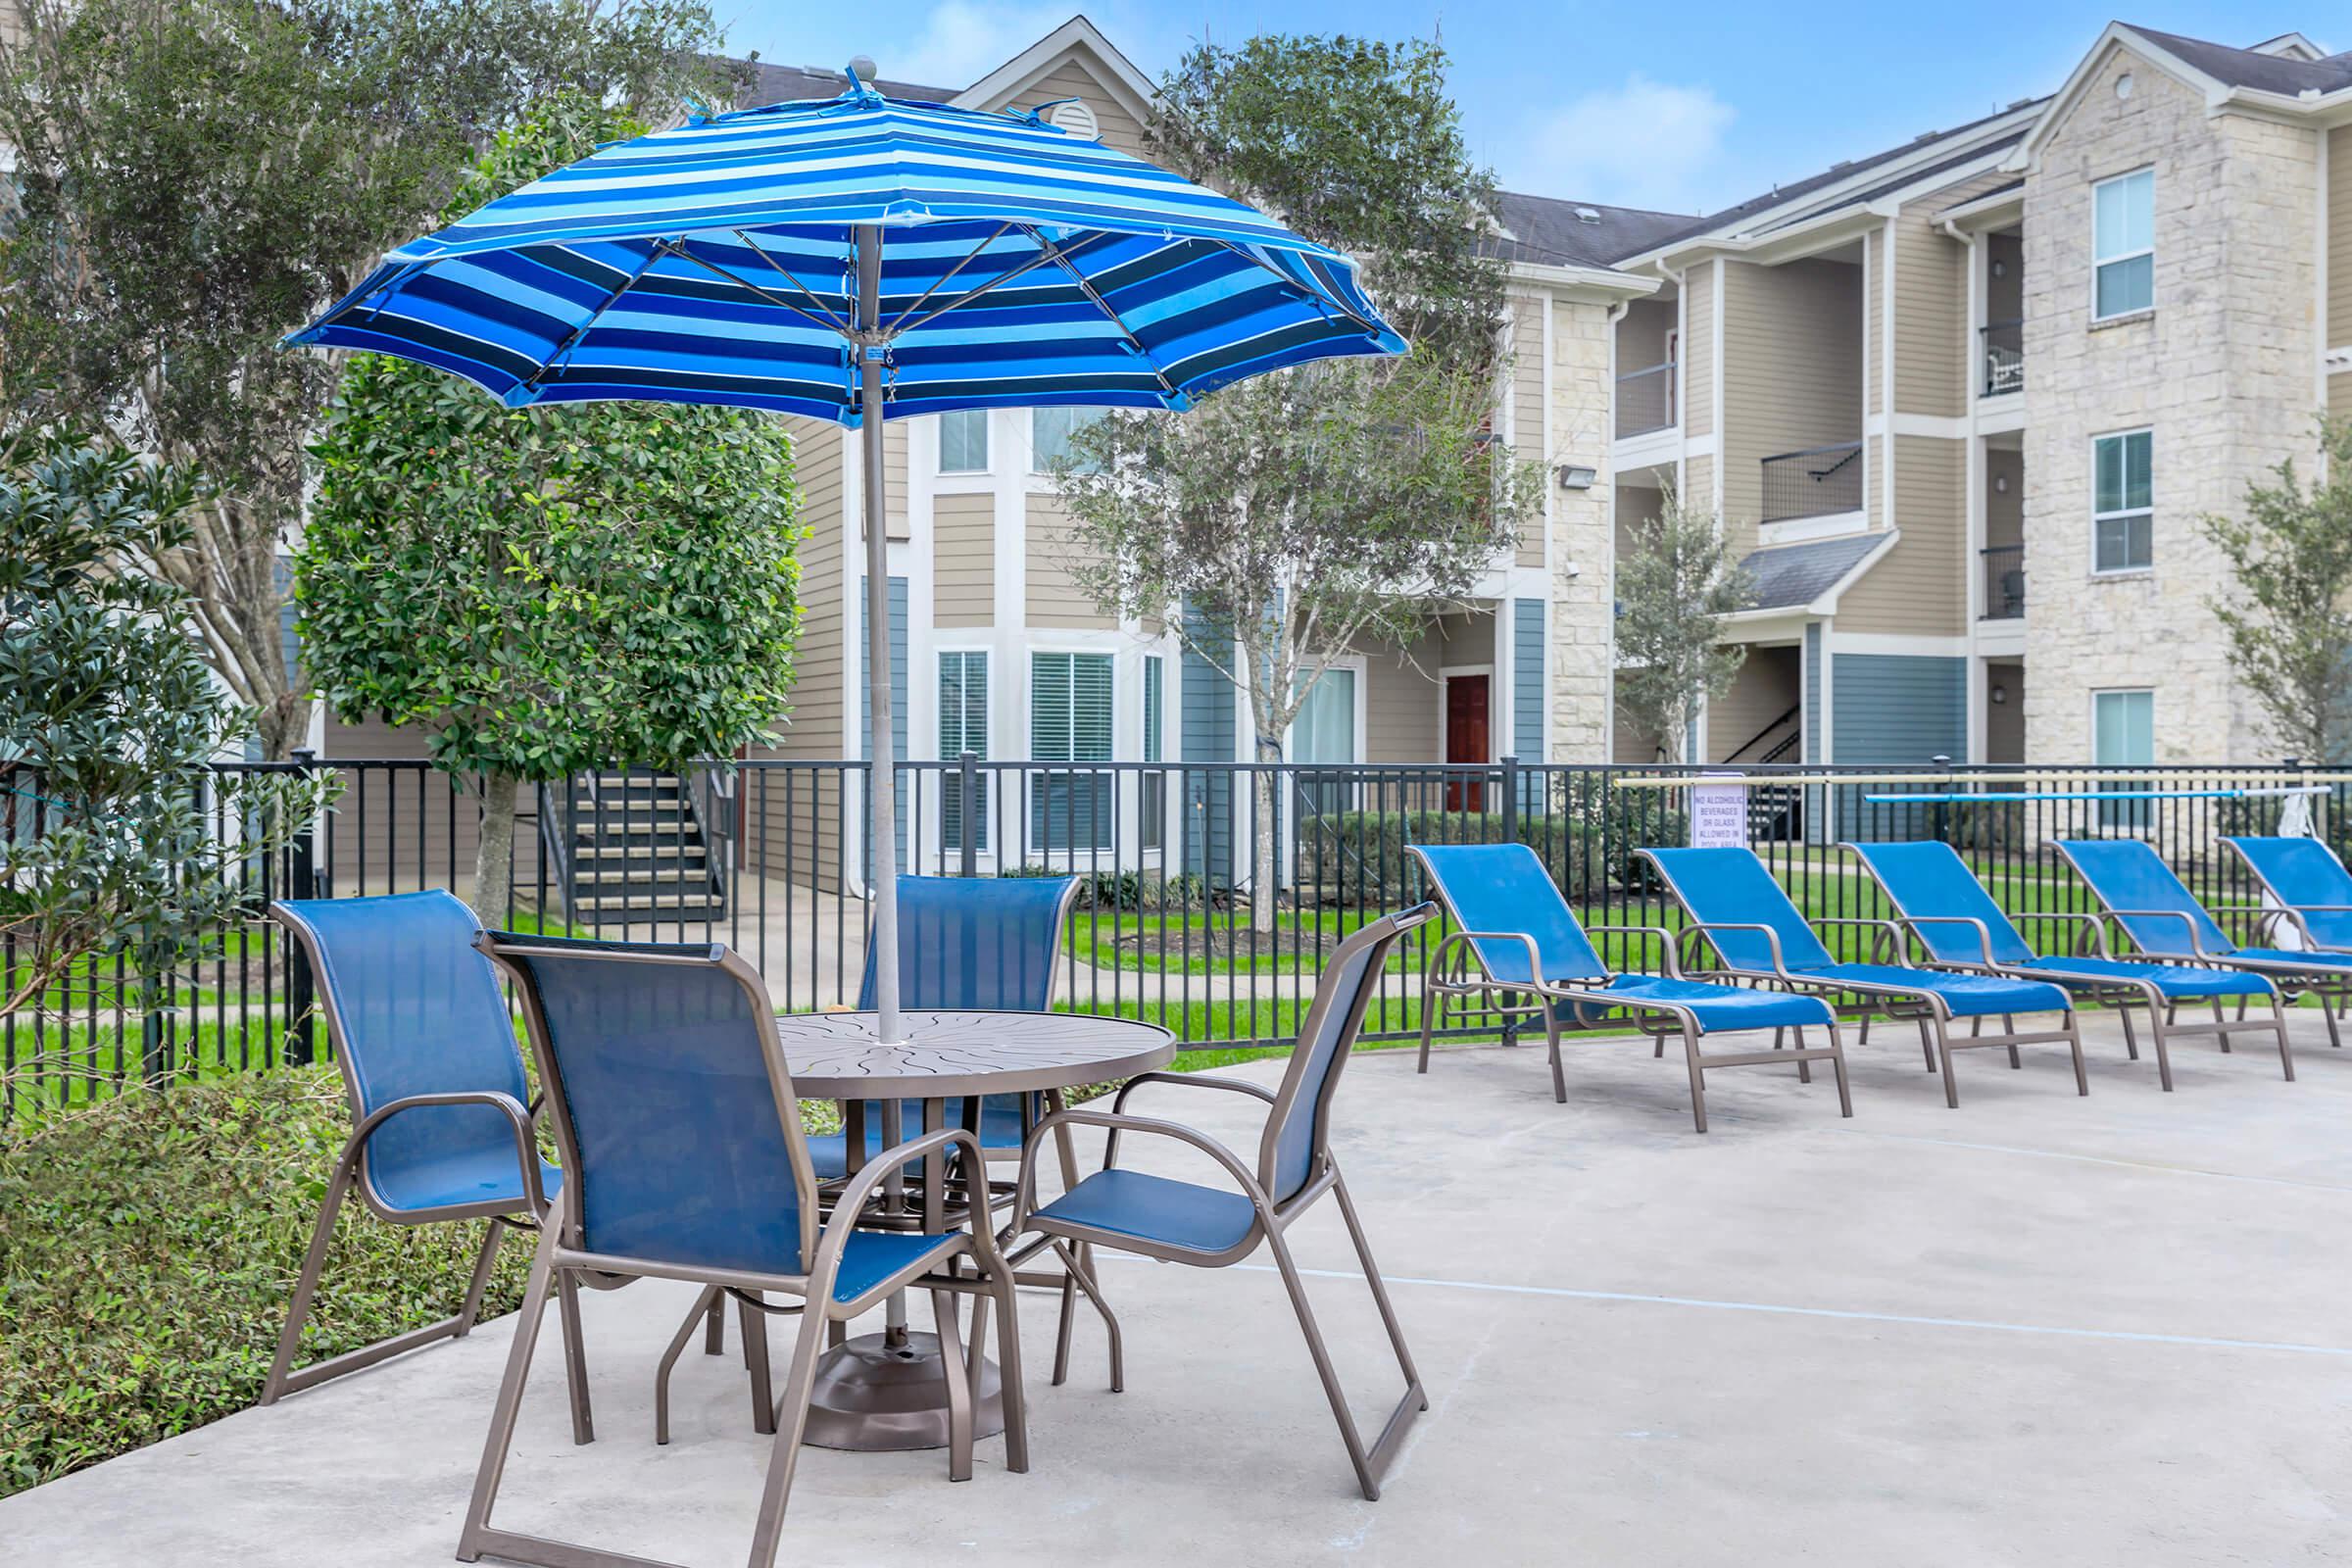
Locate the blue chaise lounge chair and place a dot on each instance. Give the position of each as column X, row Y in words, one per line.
column 1758, row 935
column 1959, row 926
column 1524, row 940
column 2308, row 883
column 2154, row 907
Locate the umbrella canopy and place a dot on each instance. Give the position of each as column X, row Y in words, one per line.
column 858, row 260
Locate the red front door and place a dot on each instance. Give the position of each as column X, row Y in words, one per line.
column 1466, row 740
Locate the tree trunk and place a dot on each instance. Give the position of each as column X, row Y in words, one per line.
column 1262, row 881
column 494, row 859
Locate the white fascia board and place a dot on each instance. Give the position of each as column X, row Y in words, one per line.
column 1132, row 89
column 1603, row 284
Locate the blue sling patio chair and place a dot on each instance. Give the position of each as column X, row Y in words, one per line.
column 1758, row 935
column 673, row 1111
column 440, row 1128
column 1216, row 1227
column 2142, row 897
column 2309, row 885
column 1519, row 938
column 1960, row 928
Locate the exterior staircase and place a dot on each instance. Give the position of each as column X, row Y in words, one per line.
column 633, row 849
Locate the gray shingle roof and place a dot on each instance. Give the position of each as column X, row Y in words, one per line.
column 1550, row 232
column 1790, row 576
column 779, row 84
column 2249, row 67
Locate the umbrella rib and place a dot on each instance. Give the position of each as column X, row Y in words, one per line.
column 769, row 295
column 900, row 321
column 1027, row 267
column 1316, row 295
column 1101, row 304
column 572, row 339
column 834, row 317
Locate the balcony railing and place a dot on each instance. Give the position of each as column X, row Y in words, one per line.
column 2003, row 358
column 2004, row 581
column 1645, row 400
column 1813, row 484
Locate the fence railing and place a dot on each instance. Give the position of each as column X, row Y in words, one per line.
column 1818, row 481
column 1188, row 916
column 1645, row 400
column 2003, row 354
column 2004, row 581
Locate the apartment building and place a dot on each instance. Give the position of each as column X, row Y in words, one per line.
column 2034, row 349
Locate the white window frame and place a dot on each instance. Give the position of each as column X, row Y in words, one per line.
column 2099, row 263
column 2148, row 511
column 988, row 443
column 987, row 749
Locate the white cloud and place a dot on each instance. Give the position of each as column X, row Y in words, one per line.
column 1648, row 143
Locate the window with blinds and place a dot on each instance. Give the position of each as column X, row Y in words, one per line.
column 1154, row 786
column 1070, row 723
column 962, row 727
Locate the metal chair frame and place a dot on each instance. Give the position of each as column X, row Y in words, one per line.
column 562, row 1254
column 351, row 1173
column 1272, row 1218
column 1922, row 1008
column 1449, row 977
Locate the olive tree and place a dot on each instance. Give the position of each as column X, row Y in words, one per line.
column 1674, row 586
column 549, row 590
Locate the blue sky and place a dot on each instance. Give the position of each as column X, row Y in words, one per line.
column 1683, row 109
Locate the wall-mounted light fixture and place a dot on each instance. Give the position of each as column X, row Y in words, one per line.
column 1577, row 475
column 1999, row 694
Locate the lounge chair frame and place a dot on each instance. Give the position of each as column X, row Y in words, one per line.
column 1454, row 973
column 1272, row 1218
column 561, row 1255
column 1923, row 1008
column 2334, row 1000
column 351, row 1174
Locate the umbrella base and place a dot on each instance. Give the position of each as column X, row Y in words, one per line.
column 874, row 1397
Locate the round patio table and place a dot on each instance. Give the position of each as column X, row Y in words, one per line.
column 885, row 1390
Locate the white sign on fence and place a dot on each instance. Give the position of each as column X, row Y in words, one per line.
column 1719, row 811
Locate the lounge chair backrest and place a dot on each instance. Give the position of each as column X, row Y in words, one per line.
column 2127, row 874
column 2301, row 874
column 671, row 1103
column 1504, row 887
column 1730, row 886
column 1930, row 879
column 1298, row 1128
column 412, row 1009
column 987, row 942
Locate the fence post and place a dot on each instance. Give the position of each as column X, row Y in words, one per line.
column 966, row 790
column 302, row 882
column 1944, row 764
column 1510, row 835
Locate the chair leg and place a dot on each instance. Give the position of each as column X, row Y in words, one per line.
column 1846, row 1098
column 1863, row 1036
column 1698, row 1077
column 1380, row 1290
column 715, row 1328
column 1927, row 1041
column 754, row 1357
column 2131, row 1040
column 1065, row 1150
column 1008, row 1366
column 1943, row 1043
column 1062, row 1332
column 1080, row 1271
column 484, row 1263
column 699, row 1317
column 1430, row 1003
column 2074, row 1043
column 2286, row 1059
column 1804, row 1068
column 957, row 1376
column 477, row 1536
column 289, row 1339
column 2328, row 1015
column 790, row 1423
column 2162, row 1048
column 575, row 1365
column 1367, row 1476
column 1551, row 1042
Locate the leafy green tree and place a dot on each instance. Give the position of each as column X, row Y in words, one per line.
column 1286, row 516
column 1674, row 588
column 196, row 177
column 549, row 590
column 2288, row 610
column 111, row 861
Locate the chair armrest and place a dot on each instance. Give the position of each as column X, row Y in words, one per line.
column 1771, row 936
column 1470, row 939
column 1983, row 931
column 1666, row 943
column 1116, row 1124
column 1891, row 935
column 2089, row 923
column 836, row 1233
column 1189, row 1081
column 526, row 1144
column 2196, row 942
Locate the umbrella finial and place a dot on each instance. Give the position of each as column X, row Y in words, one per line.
column 863, row 72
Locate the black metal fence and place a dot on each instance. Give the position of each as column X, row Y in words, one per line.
column 1189, row 915
column 2004, row 581
column 1815, row 482
column 2003, row 345
column 1645, row 400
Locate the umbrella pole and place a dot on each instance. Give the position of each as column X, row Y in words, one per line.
column 882, row 836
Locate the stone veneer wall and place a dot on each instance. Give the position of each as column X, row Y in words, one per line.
column 1581, row 623
column 2223, row 372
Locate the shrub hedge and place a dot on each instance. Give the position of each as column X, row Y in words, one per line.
column 1359, row 857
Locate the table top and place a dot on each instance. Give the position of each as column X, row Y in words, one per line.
column 834, row 1056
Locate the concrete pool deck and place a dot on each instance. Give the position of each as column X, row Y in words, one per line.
column 2038, row 1330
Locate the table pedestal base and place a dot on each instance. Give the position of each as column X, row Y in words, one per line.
column 874, row 1397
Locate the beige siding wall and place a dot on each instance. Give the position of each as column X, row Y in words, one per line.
column 1931, row 311
column 1528, row 375
column 1641, row 336
column 1699, row 350
column 1874, row 319
column 1792, row 372
column 1917, row 589
column 1400, row 699
column 2339, row 237
column 1765, row 688
column 965, row 550
column 1055, row 601
column 1874, row 482
column 1072, row 79
column 2339, row 396
column 793, row 818
column 1698, row 483
column 396, row 830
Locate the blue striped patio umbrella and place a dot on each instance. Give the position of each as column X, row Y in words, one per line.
column 858, row 260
